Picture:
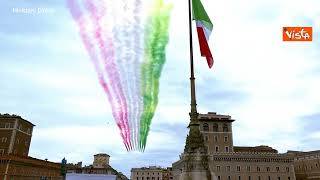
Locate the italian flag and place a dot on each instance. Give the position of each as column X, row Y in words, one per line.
column 204, row 28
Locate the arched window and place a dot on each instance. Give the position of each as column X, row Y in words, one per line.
column 215, row 127
column 205, row 127
column 225, row 128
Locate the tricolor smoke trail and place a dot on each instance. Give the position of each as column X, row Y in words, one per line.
column 127, row 50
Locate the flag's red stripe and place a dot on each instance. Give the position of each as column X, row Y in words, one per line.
column 204, row 47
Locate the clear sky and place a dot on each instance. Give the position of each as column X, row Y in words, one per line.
column 271, row 88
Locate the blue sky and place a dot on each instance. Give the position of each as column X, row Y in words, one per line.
column 271, row 88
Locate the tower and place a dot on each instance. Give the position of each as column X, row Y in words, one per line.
column 101, row 160
column 217, row 132
column 15, row 135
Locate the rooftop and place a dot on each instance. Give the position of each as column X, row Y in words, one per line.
column 149, row 168
column 258, row 149
column 213, row 116
column 304, row 153
column 13, row 116
column 102, row 154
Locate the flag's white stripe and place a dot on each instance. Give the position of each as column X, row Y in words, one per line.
column 207, row 32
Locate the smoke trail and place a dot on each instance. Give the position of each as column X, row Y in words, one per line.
column 107, row 53
column 138, row 56
column 117, row 111
column 122, row 30
column 127, row 60
column 155, row 43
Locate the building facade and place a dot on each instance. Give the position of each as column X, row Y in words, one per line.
column 151, row 173
column 167, row 174
column 306, row 164
column 14, row 167
column 229, row 162
column 15, row 135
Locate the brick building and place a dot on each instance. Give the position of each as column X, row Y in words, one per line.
column 151, row 173
column 14, row 167
column 229, row 162
column 15, row 164
column 15, row 135
column 306, row 165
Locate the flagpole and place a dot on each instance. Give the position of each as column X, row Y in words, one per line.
column 194, row 141
column 193, row 113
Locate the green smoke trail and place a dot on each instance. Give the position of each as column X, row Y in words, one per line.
column 156, row 39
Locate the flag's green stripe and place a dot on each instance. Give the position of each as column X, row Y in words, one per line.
column 156, row 39
column 200, row 14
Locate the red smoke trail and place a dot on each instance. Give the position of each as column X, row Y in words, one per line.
column 78, row 17
column 107, row 53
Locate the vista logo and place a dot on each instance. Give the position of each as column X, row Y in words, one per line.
column 297, row 34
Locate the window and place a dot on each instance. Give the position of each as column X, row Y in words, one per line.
column 217, row 148
column 238, row 168
column 229, row 177
column 205, row 127
column 215, row 127
column 268, row 169
column 225, row 128
column 7, row 125
column 239, row 177
column 287, row 169
column 279, row 178
column 137, row 178
column 215, row 138
column 278, row 169
column 258, row 169
column 4, row 139
column 137, row 172
column 218, row 168
column 248, row 168
column 227, row 149
column 1, row 151
column 259, row 177
column 228, row 168
column 226, row 139
column 249, row 178
column 288, row 178
column 219, row 178
column 206, row 138
column 269, row 178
